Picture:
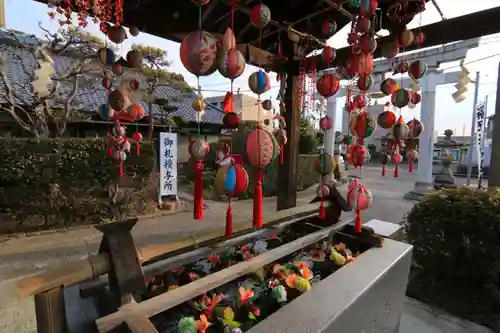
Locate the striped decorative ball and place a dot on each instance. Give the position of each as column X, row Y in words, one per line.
column 106, row 56
column 415, row 128
column 260, row 15
column 325, row 123
column 233, row 181
column 400, row 98
column 324, row 164
column 386, row 119
column 328, row 54
column 322, row 191
column 415, row 98
column 328, row 85
column 365, row 82
column 400, row 130
column 198, row 53
column 417, row 69
column 397, row 158
column 389, row 86
column 385, row 158
column 259, row 82
column 412, row 155
column 362, row 125
column 260, row 148
column 198, row 149
column 357, row 155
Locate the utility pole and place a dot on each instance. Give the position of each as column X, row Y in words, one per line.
column 472, row 130
column 494, row 174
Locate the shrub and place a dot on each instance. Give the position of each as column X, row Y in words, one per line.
column 455, row 234
column 54, row 183
column 307, row 143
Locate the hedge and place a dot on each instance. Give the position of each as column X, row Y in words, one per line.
column 62, row 182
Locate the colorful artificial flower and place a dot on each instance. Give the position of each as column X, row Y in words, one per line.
column 202, row 324
column 245, row 295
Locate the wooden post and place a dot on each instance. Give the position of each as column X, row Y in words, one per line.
column 287, row 180
column 126, row 277
column 494, row 174
column 50, row 311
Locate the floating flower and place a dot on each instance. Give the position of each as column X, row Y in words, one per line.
column 215, row 259
column 279, row 294
column 203, row 324
column 193, row 276
column 172, row 287
column 245, row 295
column 337, row 258
column 228, row 319
column 187, row 325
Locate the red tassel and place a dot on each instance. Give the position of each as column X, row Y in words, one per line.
column 137, row 148
column 383, row 170
column 396, row 171
column 110, row 151
column 282, row 154
column 357, row 223
column 257, row 202
column 322, row 212
column 410, row 167
column 229, row 220
column 121, row 168
column 198, row 191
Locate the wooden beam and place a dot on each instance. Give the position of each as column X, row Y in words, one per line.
column 208, row 10
column 244, row 31
column 166, row 301
column 140, row 324
column 50, row 311
column 287, row 180
column 94, row 266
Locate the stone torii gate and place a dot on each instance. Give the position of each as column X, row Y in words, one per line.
column 433, row 58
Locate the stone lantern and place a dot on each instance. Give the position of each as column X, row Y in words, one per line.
column 445, row 177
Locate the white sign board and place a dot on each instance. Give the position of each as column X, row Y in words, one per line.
column 479, row 136
column 168, row 164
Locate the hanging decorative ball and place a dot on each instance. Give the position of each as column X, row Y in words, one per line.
column 137, row 136
column 397, row 158
column 231, row 64
column 267, row 104
column 400, row 130
column 401, row 68
column 117, row 69
column 198, row 149
column 359, row 197
column 116, row 34
column 231, row 120
column 405, row 38
column 418, row 37
column 259, row 82
column 389, row 86
column 328, row 28
column 200, row 2
column 364, row 82
column 120, row 156
column 136, row 112
column 328, row 85
column 362, row 125
column 417, row 69
column 400, row 98
column 385, row 158
column 119, row 131
column 357, row 155
column 106, row 56
column 386, row 119
column 198, row 104
column 325, row 123
column 415, row 98
column 260, row 16
column 260, row 148
column 328, row 54
column 324, row 164
column 134, row 58
column 364, row 63
column 133, row 31
column 412, row 155
column 236, row 180
column 368, row 44
column 281, row 137
column 228, row 40
column 116, row 100
column 134, row 84
column 126, row 146
column 198, row 52
column 363, row 25
column 415, row 128
column 390, row 49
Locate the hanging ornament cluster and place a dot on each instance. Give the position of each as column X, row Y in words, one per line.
column 403, row 40
column 198, row 149
column 282, row 138
column 119, row 145
column 359, row 198
column 260, row 16
column 323, row 165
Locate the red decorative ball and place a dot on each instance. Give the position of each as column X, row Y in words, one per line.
column 328, row 28
column 417, row 69
column 117, row 69
column 415, row 98
column 386, row 119
column 260, row 15
column 328, row 85
column 388, row 86
column 328, row 54
column 231, row 120
column 260, row 147
column 357, row 155
column 325, row 123
column 116, row 34
column 137, row 136
column 198, row 149
column 415, row 128
column 364, row 82
column 198, row 52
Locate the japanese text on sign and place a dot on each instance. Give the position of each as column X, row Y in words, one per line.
column 479, row 137
column 168, row 164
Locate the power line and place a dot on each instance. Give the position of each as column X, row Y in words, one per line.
column 473, row 61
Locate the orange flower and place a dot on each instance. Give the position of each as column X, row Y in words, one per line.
column 245, row 294
column 291, row 280
column 306, row 273
column 202, row 325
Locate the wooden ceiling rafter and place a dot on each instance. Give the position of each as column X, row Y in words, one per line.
column 208, row 10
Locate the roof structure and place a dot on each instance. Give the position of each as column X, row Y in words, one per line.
column 91, row 94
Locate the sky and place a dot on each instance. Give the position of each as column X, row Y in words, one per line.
column 24, row 15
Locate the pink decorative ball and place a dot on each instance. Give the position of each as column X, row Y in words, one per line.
column 397, row 158
column 260, row 148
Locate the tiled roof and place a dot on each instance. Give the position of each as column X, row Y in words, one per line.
column 91, row 94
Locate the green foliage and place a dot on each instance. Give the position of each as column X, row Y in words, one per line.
column 455, row 234
column 307, row 143
column 54, row 183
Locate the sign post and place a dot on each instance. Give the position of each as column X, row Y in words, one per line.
column 480, row 120
column 168, row 165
